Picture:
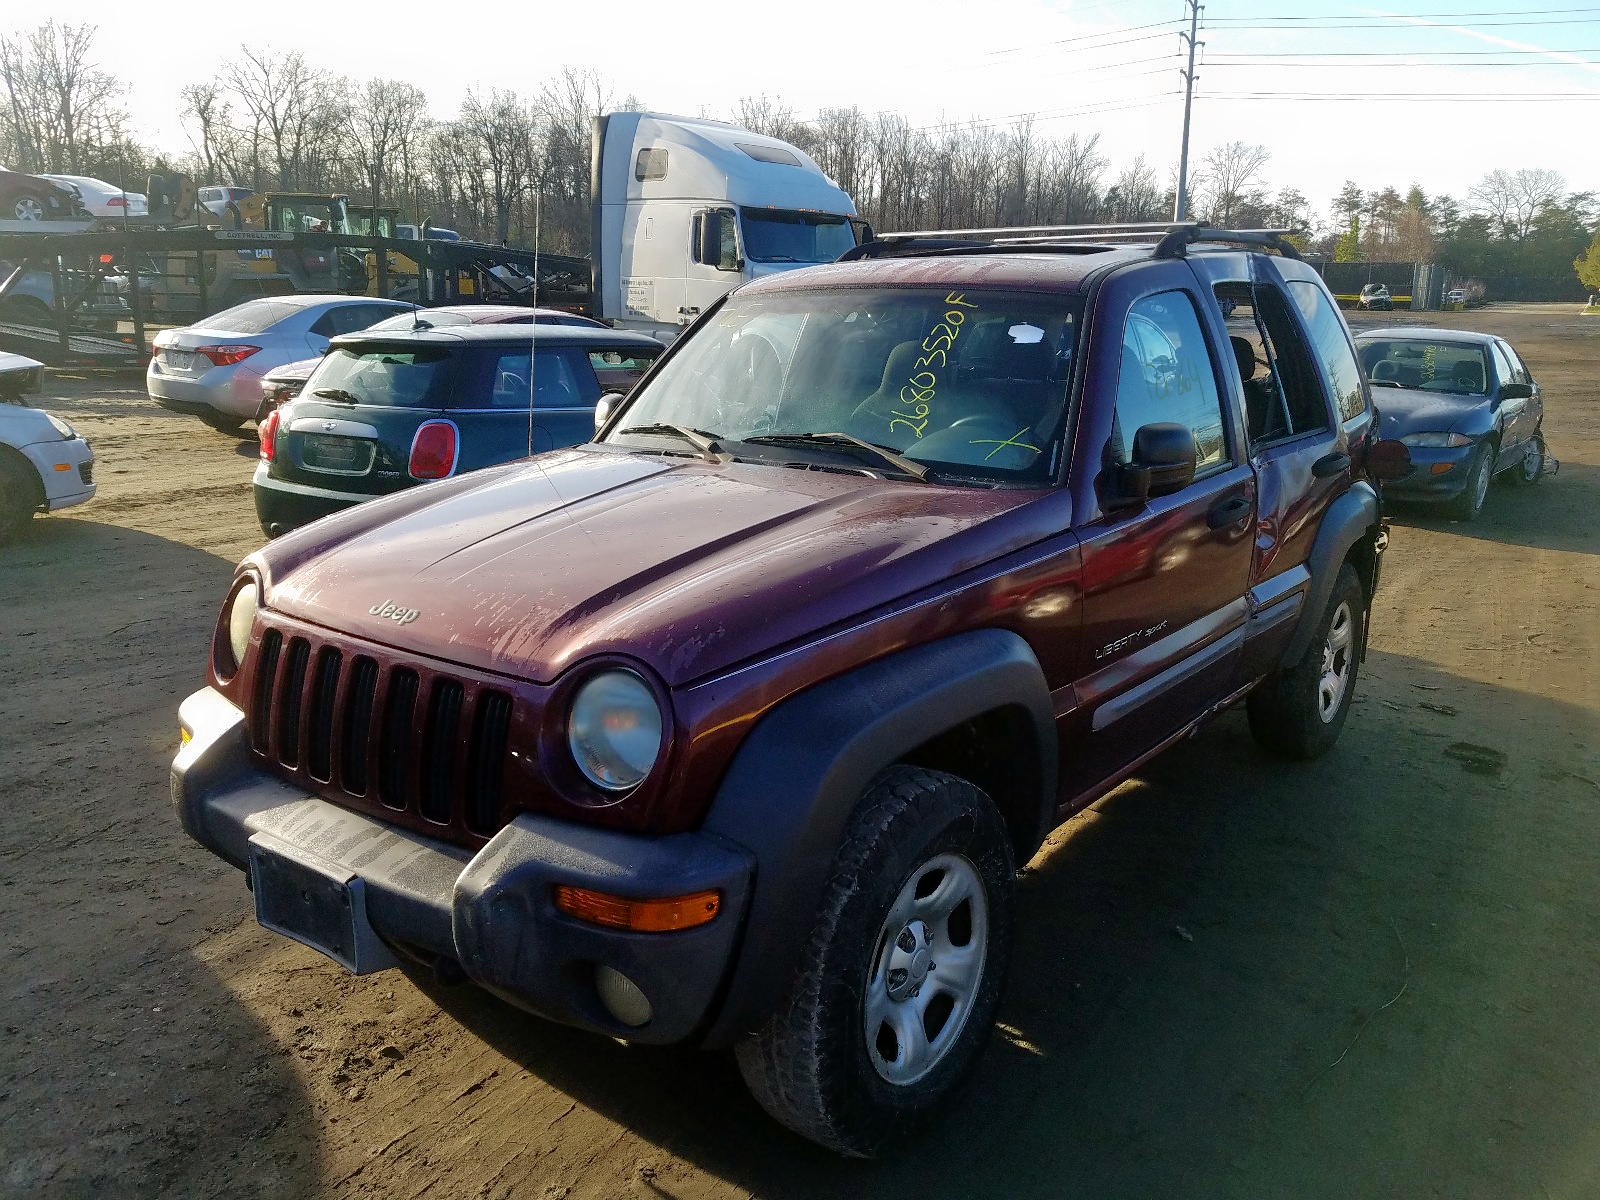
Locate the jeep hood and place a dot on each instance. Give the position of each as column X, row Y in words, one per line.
column 689, row 566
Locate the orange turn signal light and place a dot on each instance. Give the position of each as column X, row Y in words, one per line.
column 1439, row 468
column 641, row 916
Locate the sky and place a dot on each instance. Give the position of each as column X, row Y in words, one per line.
column 1434, row 92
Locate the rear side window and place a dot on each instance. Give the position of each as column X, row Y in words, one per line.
column 1331, row 344
column 387, row 377
column 252, row 316
column 507, row 380
column 1166, row 376
column 619, row 370
column 350, row 318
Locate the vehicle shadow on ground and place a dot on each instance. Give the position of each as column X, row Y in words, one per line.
column 1557, row 513
column 1197, row 997
column 127, row 1068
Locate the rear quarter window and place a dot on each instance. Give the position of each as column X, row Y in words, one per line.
column 253, row 316
column 1330, row 343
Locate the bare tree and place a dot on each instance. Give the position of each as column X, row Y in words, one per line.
column 1513, row 200
column 1227, row 177
column 295, row 111
column 499, row 136
column 381, row 118
column 1136, row 194
column 62, row 107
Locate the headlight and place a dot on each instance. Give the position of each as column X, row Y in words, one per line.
column 1436, row 439
column 66, row 431
column 614, row 730
column 239, row 617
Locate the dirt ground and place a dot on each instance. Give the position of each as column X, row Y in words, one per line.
column 1378, row 976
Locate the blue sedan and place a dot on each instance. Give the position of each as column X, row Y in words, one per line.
column 389, row 409
column 1467, row 406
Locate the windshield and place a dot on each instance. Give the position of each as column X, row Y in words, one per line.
column 777, row 236
column 1431, row 366
column 390, row 377
column 971, row 382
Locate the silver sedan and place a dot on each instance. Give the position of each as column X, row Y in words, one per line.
column 213, row 369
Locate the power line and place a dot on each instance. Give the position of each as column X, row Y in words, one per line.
column 1165, row 26
column 1586, row 62
column 1502, row 12
column 1378, row 23
column 1223, row 57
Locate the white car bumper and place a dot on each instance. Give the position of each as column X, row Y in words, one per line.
column 66, row 469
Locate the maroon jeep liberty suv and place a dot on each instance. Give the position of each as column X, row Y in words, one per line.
column 732, row 726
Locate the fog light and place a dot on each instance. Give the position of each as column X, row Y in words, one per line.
column 622, row 997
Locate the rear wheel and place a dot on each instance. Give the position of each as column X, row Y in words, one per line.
column 19, row 498
column 222, row 422
column 19, row 206
column 1468, row 506
column 1299, row 711
column 897, row 989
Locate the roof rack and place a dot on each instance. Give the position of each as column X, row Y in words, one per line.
column 1170, row 240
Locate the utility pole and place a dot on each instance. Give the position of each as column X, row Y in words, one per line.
column 1180, row 207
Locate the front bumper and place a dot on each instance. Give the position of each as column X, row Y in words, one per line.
column 66, row 468
column 1437, row 473
column 491, row 913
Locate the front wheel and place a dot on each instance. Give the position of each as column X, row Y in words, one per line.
column 1468, row 506
column 898, row 986
column 19, row 499
column 1531, row 469
column 1299, row 711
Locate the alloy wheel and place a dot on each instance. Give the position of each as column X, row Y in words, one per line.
column 27, row 208
column 1336, row 662
column 926, row 969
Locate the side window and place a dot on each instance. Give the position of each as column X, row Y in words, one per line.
column 1502, row 365
column 554, row 383
column 1166, row 375
column 1331, row 344
column 619, row 370
column 1519, row 369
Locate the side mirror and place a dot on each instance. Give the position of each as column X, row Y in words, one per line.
column 1515, row 391
column 605, row 406
column 1388, row 460
column 1163, row 462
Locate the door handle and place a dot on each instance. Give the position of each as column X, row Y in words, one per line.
column 1330, row 465
column 1229, row 512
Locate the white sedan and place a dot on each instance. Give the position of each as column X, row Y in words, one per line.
column 44, row 464
column 213, row 369
column 102, row 199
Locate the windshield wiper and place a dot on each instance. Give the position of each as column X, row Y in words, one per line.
column 702, row 441
column 1385, row 383
column 848, row 443
column 338, row 394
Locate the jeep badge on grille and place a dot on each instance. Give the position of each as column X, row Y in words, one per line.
column 391, row 610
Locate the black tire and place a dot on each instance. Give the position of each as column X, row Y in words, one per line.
column 20, row 497
column 811, row 1066
column 1531, row 469
column 20, row 206
column 1289, row 713
column 1468, row 506
column 223, row 423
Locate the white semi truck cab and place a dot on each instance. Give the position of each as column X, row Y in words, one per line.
column 686, row 210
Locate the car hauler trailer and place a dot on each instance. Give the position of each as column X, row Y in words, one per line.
column 182, row 287
column 685, row 210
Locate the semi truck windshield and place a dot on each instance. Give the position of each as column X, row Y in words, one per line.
column 775, row 235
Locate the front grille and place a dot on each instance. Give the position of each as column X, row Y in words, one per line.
column 86, row 471
column 406, row 742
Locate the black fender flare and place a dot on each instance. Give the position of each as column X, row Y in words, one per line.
column 1350, row 518
column 800, row 772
